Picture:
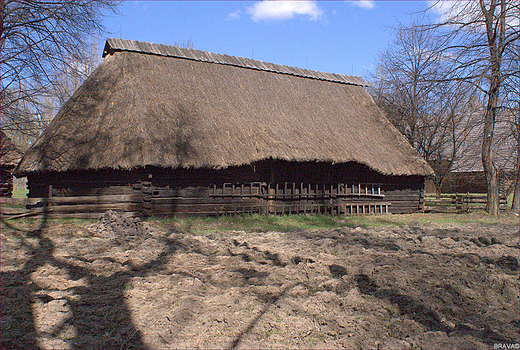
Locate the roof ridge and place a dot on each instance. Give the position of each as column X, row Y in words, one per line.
column 114, row 44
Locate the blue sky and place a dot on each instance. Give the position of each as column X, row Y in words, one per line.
column 341, row 37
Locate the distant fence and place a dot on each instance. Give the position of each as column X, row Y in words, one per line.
column 458, row 202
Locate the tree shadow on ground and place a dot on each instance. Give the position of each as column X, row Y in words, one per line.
column 17, row 291
column 427, row 317
column 98, row 311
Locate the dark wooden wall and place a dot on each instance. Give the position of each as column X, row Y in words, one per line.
column 471, row 182
column 268, row 187
column 6, row 181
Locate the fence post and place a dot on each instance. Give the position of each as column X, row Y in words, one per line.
column 460, row 201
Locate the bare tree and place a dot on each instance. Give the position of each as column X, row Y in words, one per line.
column 39, row 40
column 431, row 111
column 460, row 111
column 479, row 38
column 68, row 78
column 401, row 86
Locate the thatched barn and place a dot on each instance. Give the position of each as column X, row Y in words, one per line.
column 187, row 132
column 9, row 157
column 466, row 173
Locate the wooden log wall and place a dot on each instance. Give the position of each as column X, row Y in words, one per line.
column 85, row 194
column 267, row 187
column 406, row 194
column 89, row 206
column 6, row 181
column 405, row 200
column 190, row 201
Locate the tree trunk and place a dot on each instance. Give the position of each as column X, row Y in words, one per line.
column 490, row 170
column 493, row 199
column 495, row 38
column 516, row 196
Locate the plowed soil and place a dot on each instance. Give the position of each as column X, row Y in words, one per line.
column 413, row 286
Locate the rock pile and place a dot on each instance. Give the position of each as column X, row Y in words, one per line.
column 112, row 224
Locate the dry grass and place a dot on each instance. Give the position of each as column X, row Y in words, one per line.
column 285, row 223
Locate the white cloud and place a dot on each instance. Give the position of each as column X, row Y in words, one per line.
column 235, row 15
column 447, row 9
column 364, row 4
column 284, row 10
column 469, row 11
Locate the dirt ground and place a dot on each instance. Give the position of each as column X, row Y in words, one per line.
column 122, row 284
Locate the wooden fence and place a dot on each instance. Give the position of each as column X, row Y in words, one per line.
column 458, row 202
column 266, row 198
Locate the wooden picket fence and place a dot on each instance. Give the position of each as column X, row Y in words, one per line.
column 458, row 202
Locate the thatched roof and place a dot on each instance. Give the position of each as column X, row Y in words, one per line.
column 505, row 146
column 149, row 104
column 113, row 45
column 9, row 154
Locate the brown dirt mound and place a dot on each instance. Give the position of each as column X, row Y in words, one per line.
column 111, row 224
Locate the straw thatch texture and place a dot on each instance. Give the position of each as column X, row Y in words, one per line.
column 142, row 109
column 114, row 44
column 505, row 149
column 9, row 154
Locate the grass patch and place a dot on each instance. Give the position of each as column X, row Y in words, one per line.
column 477, row 216
column 35, row 223
column 21, row 205
column 510, row 200
column 19, row 194
column 285, row 223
